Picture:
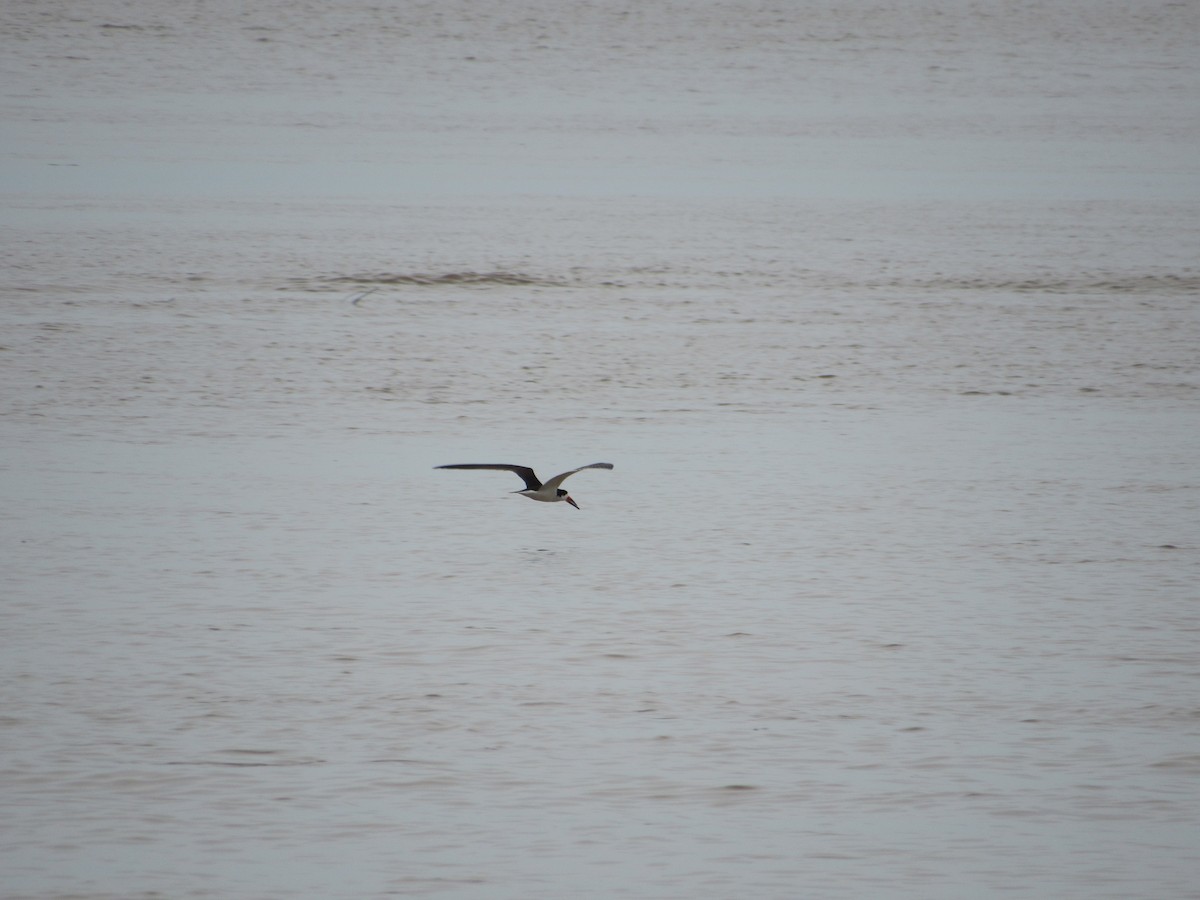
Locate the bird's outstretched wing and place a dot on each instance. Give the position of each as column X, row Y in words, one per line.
column 524, row 472
column 554, row 482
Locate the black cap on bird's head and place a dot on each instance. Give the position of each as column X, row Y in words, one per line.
column 562, row 495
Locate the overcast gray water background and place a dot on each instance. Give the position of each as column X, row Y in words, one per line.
column 885, row 314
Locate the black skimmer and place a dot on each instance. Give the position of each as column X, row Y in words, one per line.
column 550, row 492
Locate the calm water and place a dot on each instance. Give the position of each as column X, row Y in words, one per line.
column 886, row 319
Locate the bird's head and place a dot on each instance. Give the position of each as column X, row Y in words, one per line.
column 563, row 495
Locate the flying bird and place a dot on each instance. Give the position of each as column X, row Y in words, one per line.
column 550, row 492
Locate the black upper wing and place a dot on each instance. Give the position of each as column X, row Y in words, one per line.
column 523, row 472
